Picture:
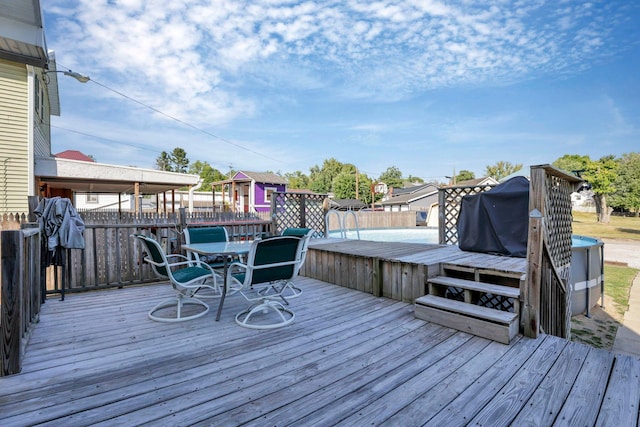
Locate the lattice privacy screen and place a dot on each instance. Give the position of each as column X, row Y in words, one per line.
column 298, row 210
column 450, row 199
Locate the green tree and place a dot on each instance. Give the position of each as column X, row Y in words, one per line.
column 345, row 183
column 392, row 177
column 344, row 186
column 502, row 169
column 573, row 163
column 321, row 178
column 465, row 175
column 179, row 160
column 297, row 179
column 208, row 173
column 415, row 179
column 602, row 175
column 627, row 184
column 163, row 162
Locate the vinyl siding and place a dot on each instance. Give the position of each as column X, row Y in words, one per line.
column 42, row 137
column 14, row 137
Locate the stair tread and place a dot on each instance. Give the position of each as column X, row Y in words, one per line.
column 486, row 313
column 491, row 288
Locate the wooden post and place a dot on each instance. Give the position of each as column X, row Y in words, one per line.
column 442, row 219
column 136, row 194
column 11, row 302
column 531, row 292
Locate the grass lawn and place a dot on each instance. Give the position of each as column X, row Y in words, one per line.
column 586, row 224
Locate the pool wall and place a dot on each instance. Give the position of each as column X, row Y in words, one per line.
column 587, row 274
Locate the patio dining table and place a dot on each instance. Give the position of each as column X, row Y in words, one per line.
column 225, row 250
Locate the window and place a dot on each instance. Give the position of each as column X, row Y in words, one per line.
column 39, row 97
column 268, row 191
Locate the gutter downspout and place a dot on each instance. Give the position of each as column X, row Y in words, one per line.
column 191, row 190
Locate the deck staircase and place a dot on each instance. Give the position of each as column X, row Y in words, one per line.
column 479, row 301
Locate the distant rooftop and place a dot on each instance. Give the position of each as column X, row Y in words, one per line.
column 74, row 155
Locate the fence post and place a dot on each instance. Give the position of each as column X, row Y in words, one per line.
column 303, row 211
column 11, row 302
column 531, row 293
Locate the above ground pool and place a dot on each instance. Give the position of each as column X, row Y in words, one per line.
column 587, row 273
column 406, row 235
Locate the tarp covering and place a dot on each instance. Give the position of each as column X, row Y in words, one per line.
column 60, row 223
column 496, row 221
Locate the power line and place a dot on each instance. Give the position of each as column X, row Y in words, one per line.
column 235, row 144
column 130, row 144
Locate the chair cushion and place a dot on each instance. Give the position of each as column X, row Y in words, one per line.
column 207, row 235
column 187, row 274
column 298, row 232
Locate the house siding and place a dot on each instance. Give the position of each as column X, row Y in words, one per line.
column 260, row 189
column 14, row 138
column 42, row 126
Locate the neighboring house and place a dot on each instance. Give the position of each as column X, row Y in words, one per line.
column 487, row 180
column 28, row 99
column 415, row 198
column 250, row 191
column 424, row 198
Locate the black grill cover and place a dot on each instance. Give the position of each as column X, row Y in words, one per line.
column 496, row 221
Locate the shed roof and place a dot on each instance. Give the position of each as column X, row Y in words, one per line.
column 347, row 204
column 265, row 177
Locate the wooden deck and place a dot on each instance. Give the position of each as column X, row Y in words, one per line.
column 350, row 358
column 392, row 269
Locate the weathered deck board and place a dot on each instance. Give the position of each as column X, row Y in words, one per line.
column 349, row 359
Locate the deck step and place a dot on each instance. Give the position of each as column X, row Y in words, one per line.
column 471, row 285
column 501, row 326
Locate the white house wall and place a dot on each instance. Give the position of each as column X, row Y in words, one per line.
column 14, row 137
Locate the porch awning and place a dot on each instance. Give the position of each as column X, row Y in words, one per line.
column 22, row 39
column 90, row 177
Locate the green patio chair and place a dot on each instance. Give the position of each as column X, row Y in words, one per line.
column 187, row 277
column 205, row 235
column 271, row 263
column 290, row 289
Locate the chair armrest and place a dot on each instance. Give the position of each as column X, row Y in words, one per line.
column 169, row 256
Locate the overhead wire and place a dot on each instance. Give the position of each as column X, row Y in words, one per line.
column 184, row 123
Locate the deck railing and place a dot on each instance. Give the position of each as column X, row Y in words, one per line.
column 546, row 299
column 547, row 293
column 20, row 294
column 112, row 259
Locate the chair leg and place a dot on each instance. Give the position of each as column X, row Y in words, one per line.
column 285, row 315
column 287, row 290
column 178, row 302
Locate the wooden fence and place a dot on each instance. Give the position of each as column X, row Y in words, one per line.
column 372, row 219
column 111, row 258
column 20, row 294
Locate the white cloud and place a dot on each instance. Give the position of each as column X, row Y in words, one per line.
column 196, row 58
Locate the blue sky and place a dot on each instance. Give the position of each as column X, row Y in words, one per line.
column 426, row 86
